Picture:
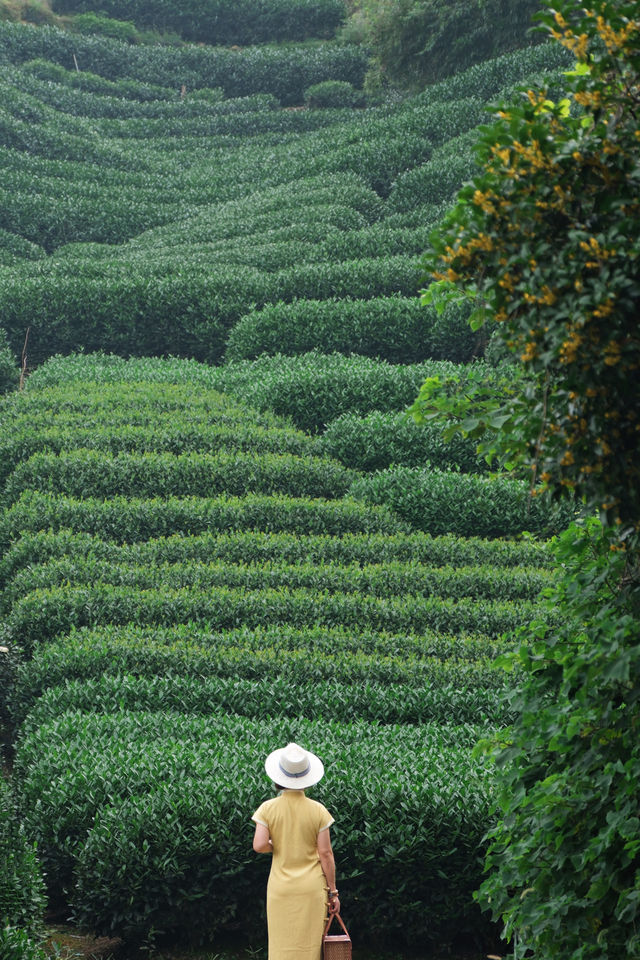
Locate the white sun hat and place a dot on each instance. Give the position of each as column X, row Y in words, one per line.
column 293, row 767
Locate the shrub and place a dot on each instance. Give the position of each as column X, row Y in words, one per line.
column 253, row 546
column 332, row 93
column 16, row 944
column 378, row 440
column 9, row 372
column 127, row 519
column 394, row 328
column 284, row 71
column 313, row 389
column 397, row 329
column 420, row 42
column 147, row 810
column 94, row 23
column 14, row 248
column 475, row 695
column 171, row 434
column 102, row 475
column 214, row 21
column 44, row 614
column 21, row 885
column 427, row 660
column 439, row 501
column 438, row 180
column 486, row 80
column 388, row 579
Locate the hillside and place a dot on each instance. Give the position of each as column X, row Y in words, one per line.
column 218, row 528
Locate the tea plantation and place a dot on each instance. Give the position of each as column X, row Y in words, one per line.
column 218, row 529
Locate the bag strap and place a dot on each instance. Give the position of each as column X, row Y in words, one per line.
column 334, row 916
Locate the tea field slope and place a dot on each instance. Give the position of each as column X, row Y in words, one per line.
column 218, row 529
column 186, row 581
column 162, row 201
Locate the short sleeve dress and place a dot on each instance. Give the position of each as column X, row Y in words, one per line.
column 297, row 889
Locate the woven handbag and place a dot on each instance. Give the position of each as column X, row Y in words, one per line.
column 336, row 946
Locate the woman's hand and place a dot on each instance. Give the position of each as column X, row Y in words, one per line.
column 334, row 906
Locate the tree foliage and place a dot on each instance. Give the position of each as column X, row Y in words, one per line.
column 545, row 242
column 563, row 860
column 420, row 41
column 546, row 239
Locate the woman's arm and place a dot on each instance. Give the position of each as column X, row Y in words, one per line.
column 328, row 864
column 262, row 840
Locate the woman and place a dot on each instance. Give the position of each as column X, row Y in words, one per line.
column 302, row 881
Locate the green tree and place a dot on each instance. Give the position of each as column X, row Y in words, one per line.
column 415, row 42
column 546, row 242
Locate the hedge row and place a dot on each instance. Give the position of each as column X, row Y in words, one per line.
column 224, row 21
column 186, row 313
column 14, row 248
column 438, row 180
column 34, row 548
column 87, row 82
column 169, row 436
column 150, row 810
column 144, row 475
column 378, row 440
column 397, row 329
column 48, row 613
column 441, row 501
column 285, row 71
column 313, row 389
column 22, row 899
column 487, row 80
column 128, row 520
column 388, row 579
column 305, row 654
column 479, row 697
column 175, row 391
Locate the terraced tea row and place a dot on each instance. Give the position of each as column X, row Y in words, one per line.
column 147, row 810
column 267, row 206
column 154, row 638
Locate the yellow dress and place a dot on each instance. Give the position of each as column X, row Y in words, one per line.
column 297, row 889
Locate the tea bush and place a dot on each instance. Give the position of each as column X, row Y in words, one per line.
column 439, row 179
column 427, row 659
column 378, row 440
column 313, row 389
column 214, row 21
column 440, row 501
column 14, row 248
column 168, row 782
column 487, row 80
column 332, row 93
column 285, row 71
column 187, row 313
column 132, row 519
column 471, row 696
column 50, row 612
column 100, row 474
column 251, row 546
column 22, row 898
column 9, row 372
column 93, row 23
column 380, row 580
column 397, row 329
column 170, row 435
